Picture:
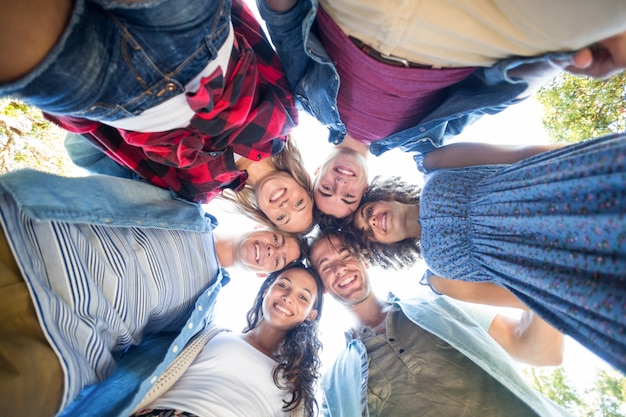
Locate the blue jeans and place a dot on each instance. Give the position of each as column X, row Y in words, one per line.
column 117, row 59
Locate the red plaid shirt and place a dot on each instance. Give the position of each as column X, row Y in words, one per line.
column 247, row 112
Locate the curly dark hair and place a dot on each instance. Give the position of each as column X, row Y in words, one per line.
column 386, row 255
column 325, row 221
column 298, row 358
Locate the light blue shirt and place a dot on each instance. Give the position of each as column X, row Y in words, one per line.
column 118, row 269
column 345, row 384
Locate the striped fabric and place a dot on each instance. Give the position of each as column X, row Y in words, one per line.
column 98, row 290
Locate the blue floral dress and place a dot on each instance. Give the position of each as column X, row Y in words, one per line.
column 550, row 228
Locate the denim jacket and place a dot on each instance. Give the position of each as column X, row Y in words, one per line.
column 111, row 201
column 345, row 384
column 315, row 83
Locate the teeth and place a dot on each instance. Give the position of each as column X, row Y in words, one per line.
column 282, row 309
column 384, row 222
column 346, row 281
column 345, row 172
column 276, row 195
column 258, row 251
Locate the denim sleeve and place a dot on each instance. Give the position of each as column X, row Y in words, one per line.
column 288, row 35
column 86, row 155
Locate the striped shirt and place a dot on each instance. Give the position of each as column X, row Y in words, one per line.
column 98, row 290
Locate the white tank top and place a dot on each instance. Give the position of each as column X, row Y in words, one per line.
column 228, row 378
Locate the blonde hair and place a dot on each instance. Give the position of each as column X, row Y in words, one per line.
column 289, row 160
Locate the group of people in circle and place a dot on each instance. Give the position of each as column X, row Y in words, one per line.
column 113, row 276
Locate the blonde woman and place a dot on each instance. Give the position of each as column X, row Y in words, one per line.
column 278, row 191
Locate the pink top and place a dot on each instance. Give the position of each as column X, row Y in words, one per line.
column 376, row 99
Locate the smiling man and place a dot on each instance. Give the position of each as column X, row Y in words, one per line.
column 262, row 251
column 427, row 356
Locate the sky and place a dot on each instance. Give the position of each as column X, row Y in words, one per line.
column 520, row 124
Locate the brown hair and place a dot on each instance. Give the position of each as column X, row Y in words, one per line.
column 298, row 358
column 386, row 255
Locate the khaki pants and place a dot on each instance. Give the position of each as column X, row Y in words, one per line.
column 31, row 377
column 458, row 33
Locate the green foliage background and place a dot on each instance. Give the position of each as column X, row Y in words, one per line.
column 605, row 396
column 579, row 108
column 28, row 140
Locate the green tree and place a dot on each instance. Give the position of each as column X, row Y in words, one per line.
column 28, row 140
column 604, row 397
column 579, row 108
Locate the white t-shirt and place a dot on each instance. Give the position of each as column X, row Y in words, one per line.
column 228, row 378
column 175, row 113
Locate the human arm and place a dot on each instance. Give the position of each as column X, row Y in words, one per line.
column 475, row 292
column 464, row 154
column 528, row 339
column 284, row 20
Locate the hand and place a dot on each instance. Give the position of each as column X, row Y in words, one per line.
column 602, row 59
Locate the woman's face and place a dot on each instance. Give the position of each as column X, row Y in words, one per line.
column 285, row 202
column 382, row 221
column 289, row 301
column 341, row 182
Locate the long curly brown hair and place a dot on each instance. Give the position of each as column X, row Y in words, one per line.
column 298, row 357
column 396, row 255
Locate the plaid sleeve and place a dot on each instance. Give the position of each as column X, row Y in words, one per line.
column 248, row 111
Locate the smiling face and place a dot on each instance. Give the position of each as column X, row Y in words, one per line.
column 382, row 221
column 342, row 273
column 285, row 202
column 290, row 299
column 267, row 250
column 341, row 182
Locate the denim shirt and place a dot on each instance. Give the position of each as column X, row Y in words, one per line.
column 111, row 201
column 103, row 200
column 345, row 384
column 315, row 83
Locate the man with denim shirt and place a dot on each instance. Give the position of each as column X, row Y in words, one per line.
column 97, row 273
column 318, row 58
column 426, row 356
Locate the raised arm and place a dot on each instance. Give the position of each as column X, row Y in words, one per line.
column 528, row 339
column 464, row 154
column 284, row 19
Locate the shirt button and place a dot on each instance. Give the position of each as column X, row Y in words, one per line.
column 175, row 349
column 169, row 87
column 422, row 129
column 213, row 153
